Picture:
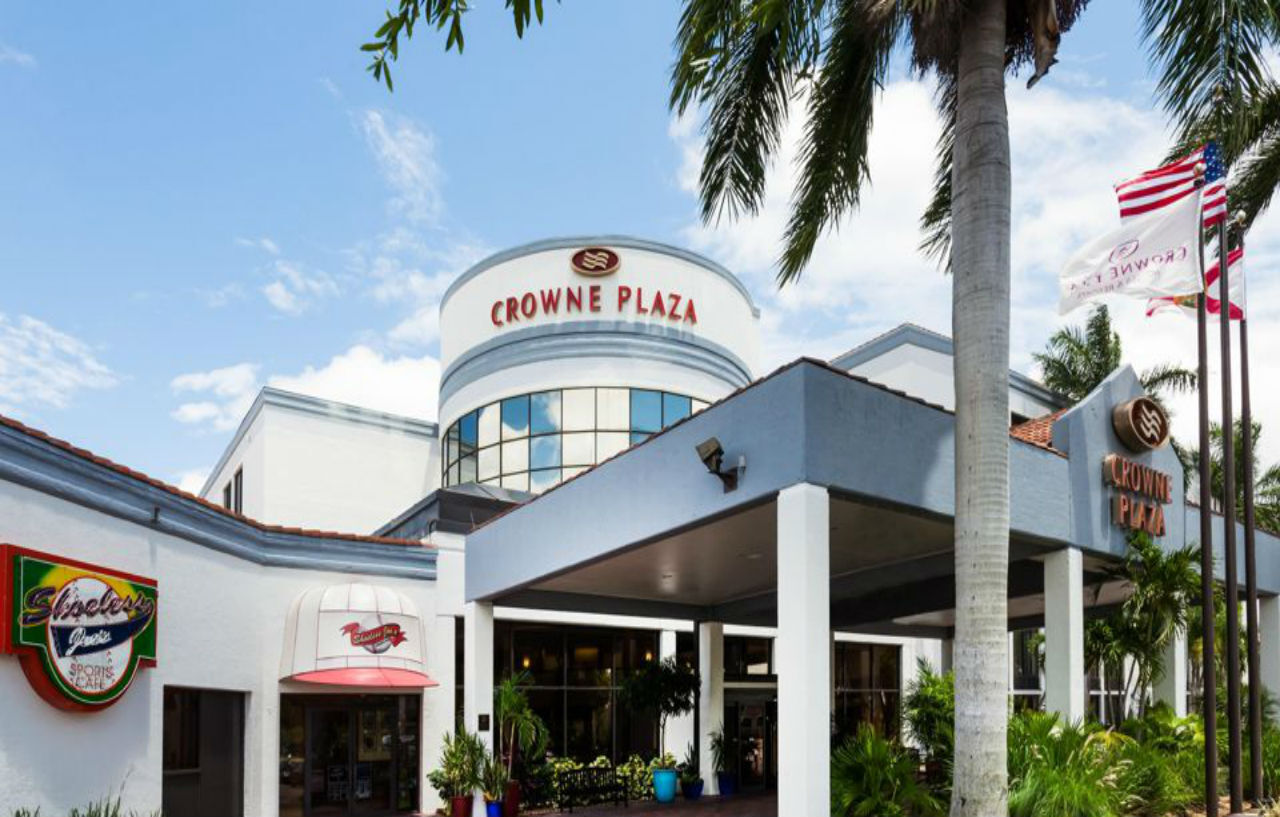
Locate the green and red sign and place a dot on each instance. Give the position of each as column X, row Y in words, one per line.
column 80, row 631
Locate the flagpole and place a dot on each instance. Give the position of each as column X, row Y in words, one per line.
column 1209, row 702
column 1250, row 552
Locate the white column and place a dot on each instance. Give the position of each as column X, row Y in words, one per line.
column 438, row 707
column 803, row 648
column 1269, row 633
column 710, row 696
column 477, row 673
column 679, row 729
column 1064, row 680
column 1172, row 688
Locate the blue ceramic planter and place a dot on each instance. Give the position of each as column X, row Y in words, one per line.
column 727, row 783
column 691, row 791
column 493, row 809
column 664, row 785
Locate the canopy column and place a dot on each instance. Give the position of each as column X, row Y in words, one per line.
column 1064, row 678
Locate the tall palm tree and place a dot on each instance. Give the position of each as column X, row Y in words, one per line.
column 1266, row 489
column 1075, row 361
column 745, row 62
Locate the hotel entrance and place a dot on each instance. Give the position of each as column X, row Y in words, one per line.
column 751, row 718
column 348, row 755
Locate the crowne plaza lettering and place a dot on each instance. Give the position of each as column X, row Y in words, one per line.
column 654, row 303
column 1141, row 492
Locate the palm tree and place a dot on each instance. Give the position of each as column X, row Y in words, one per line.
column 745, row 62
column 1075, row 361
column 1266, row 490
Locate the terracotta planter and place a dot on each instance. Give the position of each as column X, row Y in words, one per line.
column 460, row 806
column 511, row 802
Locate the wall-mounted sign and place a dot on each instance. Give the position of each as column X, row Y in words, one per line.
column 670, row 306
column 374, row 636
column 80, row 631
column 595, row 262
column 1139, row 494
column 1141, row 424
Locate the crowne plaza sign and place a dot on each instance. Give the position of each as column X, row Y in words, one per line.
column 1139, row 492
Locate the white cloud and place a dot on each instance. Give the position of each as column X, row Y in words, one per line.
column 41, row 366
column 296, row 288
column 222, row 396
column 1068, row 146
column 364, row 377
column 264, row 243
column 361, row 376
column 405, row 154
column 12, row 55
column 192, row 480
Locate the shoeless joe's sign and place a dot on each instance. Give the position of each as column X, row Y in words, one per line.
column 80, row 631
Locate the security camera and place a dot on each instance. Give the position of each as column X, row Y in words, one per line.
column 712, row 454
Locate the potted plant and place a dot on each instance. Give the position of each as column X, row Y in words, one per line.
column 493, row 783
column 668, row 688
column 690, row 780
column 520, row 732
column 459, row 771
column 726, row 781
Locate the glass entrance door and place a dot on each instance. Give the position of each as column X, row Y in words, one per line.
column 359, row 755
column 751, row 721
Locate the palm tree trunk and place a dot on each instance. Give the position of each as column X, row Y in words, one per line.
column 980, row 318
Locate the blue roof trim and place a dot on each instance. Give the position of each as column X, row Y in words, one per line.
column 577, row 339
column 623, row 241
column 912, row 335
column 320, row 407
column 42, row 466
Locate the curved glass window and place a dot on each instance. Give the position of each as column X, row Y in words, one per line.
column 532, row 442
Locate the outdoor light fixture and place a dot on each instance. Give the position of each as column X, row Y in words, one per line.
column 711, row 452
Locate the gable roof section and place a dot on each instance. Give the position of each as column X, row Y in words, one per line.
column 909, row 334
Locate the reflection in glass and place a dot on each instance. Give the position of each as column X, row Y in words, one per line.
column 544, row 412
column 646, row 410
column 579, row 409
column 675, row 408
column 544, row 452
column 609, row 443
column 467, row 429
column 540, row 481
column 516, row 482
column 488, row 423
column 488, row 463
column 515, row 417
column 588, row 724
column 515, row 457
column 613, row 409
column 579, row 449
column 467, row 470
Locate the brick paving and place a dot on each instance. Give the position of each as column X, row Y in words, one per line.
column 742, row 805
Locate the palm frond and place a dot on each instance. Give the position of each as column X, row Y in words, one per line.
column 935, row 222
column 833, row 154
column 1168, row 377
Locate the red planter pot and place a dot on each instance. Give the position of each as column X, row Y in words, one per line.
column 460, row 806
column 511, row 803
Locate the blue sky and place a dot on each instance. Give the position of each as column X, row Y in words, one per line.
column 195, row 203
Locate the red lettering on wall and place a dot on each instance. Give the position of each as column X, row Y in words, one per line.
column 528, row 305
column 674, row 298
column 640, row 310
column 594, row 293
column 573, row 299
column 550, row 301
column 658, row 308
column 624, row 295
column 493, row 313
column 513, row 310
column 690, row 314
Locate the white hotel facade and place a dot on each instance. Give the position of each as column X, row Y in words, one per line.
column 350, row 583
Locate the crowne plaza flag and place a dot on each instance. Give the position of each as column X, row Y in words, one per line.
column 1150, row 256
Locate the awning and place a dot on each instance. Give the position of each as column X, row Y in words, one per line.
column 357, row 634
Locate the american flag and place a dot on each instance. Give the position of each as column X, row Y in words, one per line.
column 1177, row 180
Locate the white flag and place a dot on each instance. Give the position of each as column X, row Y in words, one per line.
column 1213, row 304
column 1150, row 256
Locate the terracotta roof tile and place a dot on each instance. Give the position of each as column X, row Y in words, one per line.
column 1038, row 431
column 181, row 494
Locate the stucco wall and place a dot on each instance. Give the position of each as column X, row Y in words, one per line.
column 220, row 626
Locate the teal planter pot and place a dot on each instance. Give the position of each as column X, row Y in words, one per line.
column 664, row 785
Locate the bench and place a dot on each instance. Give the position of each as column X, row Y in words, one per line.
column 600, row 784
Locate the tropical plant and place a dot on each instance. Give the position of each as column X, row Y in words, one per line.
column 493, row 777
column 719, row 750
column 929, row 710
column 520, row 730
column 689, row 768
column 745, row 63
column 461, row 757
column 1062, row 770
column 874, row 777
column 1076, row 361
column 666, row 687
column 1266, row 484
column 1164, row 585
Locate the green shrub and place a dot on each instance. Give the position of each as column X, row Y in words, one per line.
column 1151, row 782
column 873, row 777
column 1063, row 770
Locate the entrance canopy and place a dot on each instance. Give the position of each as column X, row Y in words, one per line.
column 651, row 532
column 354, row 634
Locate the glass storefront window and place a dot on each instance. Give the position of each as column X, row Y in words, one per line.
column 868, row 678
column 544, row 412
column 590, row 659
column 534, row 441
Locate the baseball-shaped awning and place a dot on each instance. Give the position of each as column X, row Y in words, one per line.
column 355, row 634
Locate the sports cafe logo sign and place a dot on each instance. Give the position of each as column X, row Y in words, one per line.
column 374, row 636
column 594, row 262
column 1139, row 492
column 80, row 631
